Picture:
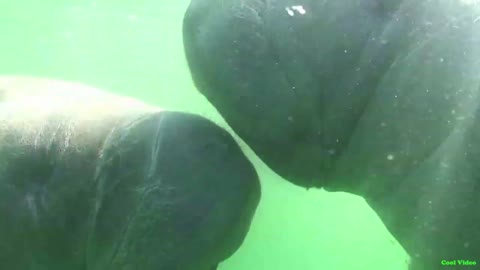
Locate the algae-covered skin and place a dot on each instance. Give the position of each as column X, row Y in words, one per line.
column 379, row 98
column 95, row 181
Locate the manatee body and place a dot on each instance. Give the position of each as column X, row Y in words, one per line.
column 377, row 98
column 94, row 181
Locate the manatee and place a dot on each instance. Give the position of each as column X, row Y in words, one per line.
column 95, row 181
column 375, row 98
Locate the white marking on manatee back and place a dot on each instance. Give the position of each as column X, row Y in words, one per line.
column 470, row 2
column 27, row 104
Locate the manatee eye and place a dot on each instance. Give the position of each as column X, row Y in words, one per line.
column 382, row 7
column 216, row 148
column 209, row 145
column 215, row 145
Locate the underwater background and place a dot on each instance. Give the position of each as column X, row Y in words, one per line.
column 134, row 48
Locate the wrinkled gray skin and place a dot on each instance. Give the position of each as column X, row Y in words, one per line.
column 376, row 98
column 89, row 185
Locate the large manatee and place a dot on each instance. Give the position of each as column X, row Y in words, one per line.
column 376, row 98
column 95, row 181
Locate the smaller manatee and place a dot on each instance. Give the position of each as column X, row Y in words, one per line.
column 94, row 181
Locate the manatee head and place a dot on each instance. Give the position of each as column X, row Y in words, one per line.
column 174, row 192
column 290, row 77
column 303, row 82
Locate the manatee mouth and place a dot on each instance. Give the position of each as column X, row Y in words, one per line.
column 304, row 171
column 301, row 162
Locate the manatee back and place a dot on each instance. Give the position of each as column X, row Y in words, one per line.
column 36, row 108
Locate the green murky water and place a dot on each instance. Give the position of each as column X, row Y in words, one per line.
column 135, row 48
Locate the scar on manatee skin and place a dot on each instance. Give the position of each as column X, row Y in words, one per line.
column 247, row 9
